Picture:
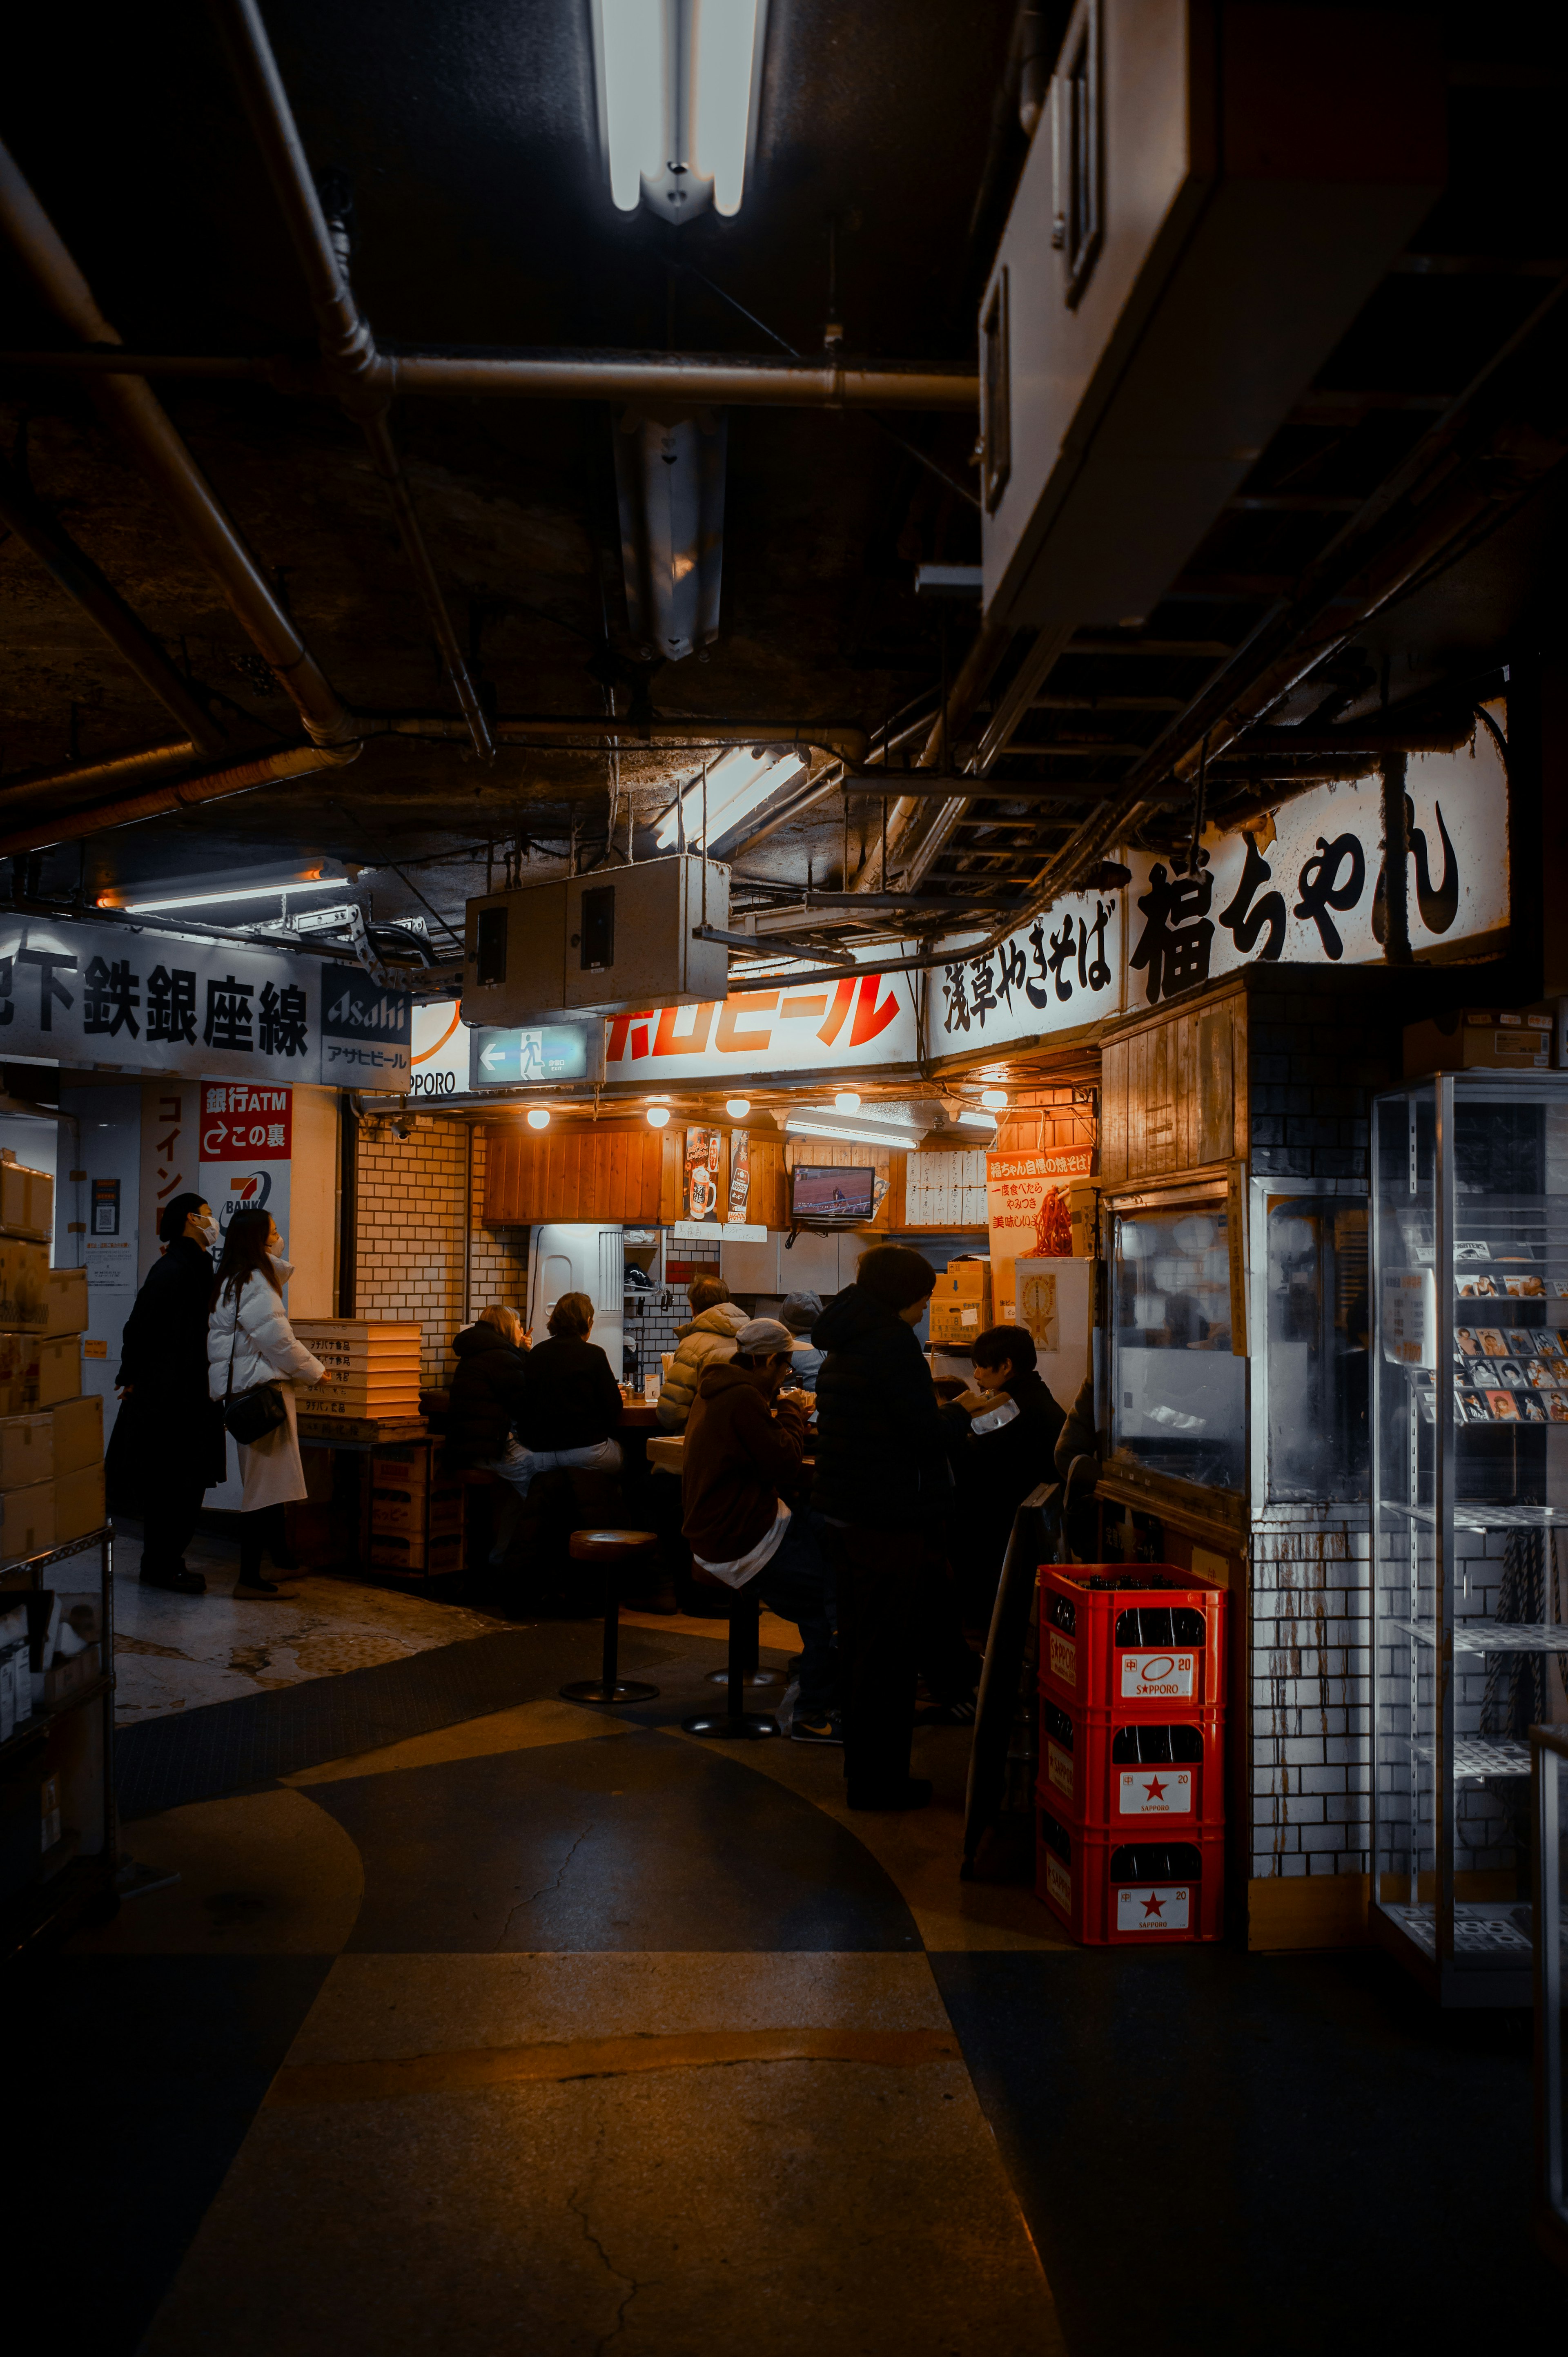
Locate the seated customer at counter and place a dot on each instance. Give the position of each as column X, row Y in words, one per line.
column 486, row 1395
column 706, row 1341
column 570, row 1402
column 1003, row 1433
column 743, row 1440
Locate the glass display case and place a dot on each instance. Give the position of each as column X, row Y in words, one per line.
column 1469, row 1497
column 1178, row 1392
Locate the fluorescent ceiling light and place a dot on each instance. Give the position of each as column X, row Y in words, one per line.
column 977, row 1120
column 678, row 85
column 229, row 892
column 737, row 782
column 827, row 1124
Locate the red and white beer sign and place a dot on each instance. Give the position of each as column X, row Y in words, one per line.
column 247, row 1150
column 1163, row 1908
column 1153, row 1677
column 1059, row 1883
column 1156, row 1792
column 1064, row 1658
column 1059, row 1767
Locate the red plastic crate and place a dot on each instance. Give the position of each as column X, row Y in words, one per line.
column 1084, row 1879
column 1084, row 1666
column 1083, row 1783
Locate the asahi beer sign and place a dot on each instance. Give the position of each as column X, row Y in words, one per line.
column 98, row 994
column 1306, row 887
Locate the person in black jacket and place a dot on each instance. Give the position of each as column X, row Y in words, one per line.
column 571, row 1403
column 487, row 1392
column 168, row 1446
column 1003, row 1433
column 882, row 1480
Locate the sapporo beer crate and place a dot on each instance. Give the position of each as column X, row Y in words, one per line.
column 415, row 1510
column 409, row 1551
column 1146, row 1642
column 1134, row 1777
column 1107, row 1892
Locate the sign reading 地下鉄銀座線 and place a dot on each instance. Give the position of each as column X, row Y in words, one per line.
column 106, row 995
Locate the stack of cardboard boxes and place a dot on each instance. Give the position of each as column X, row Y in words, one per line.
column 51, row 1437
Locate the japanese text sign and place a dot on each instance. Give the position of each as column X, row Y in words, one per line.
column 240, row 1124
column 863, row 1019
column 1063, row 969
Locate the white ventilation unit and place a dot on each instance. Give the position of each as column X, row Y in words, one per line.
column 609, row 942
column 1212, row 194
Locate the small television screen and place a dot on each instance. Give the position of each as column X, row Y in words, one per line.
column 816, row 1192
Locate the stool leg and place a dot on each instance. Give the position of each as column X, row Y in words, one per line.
column 737, row 1725
column 609, row 1686
column 751, row 1674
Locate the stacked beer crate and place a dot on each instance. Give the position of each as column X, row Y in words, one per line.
column 1130, row 1799
column 416, row 1511
column 371, row 1379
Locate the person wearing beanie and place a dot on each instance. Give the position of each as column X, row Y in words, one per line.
column 882, row 1487
column 744, row 1443
column 799, row 1313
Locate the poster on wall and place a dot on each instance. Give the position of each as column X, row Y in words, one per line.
column 246, row 1143
column 739, row 1174
column 1026, row 1211
column 700, row 1185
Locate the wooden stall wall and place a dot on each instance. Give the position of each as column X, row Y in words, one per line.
column 1048, row 1121
column 614, row 1171
column 1174, row 1090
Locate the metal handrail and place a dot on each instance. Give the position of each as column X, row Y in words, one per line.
column 1548, row 1748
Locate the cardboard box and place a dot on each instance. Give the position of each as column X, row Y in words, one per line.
column 411, row 1467
column 65, row 1301
column 392, row 1550
column 77, row 1426
column 19, row 1374
column 26, row 1200
column 1478, row 1039
column 79, row 1503
column 27, row 1521
column 57, row 1361
column 23, row 1283
column 1083, row 1210
column 961, row 1304
column 26, row 1450
column 414, row 1512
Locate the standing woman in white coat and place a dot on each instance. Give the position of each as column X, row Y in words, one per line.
column 251, row 1342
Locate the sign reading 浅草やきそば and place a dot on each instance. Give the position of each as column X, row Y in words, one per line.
column 1304, row 885
column 861, row 1019
column 1063, row 969
column 109, row 996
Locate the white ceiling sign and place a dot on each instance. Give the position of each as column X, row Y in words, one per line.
column 1062, row 970
column 866, row 1019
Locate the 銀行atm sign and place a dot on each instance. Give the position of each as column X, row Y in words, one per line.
column 863, row 1019
column 242, row 1125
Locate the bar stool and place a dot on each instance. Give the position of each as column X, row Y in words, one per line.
column 736, row 1724
column 612, row 1548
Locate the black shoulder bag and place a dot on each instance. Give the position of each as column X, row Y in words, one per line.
column 248, row 1416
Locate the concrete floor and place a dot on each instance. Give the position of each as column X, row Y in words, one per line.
column 553, row 2030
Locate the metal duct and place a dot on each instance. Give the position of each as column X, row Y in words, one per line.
column 669, row 482
column 187, row 793
column 121, row 769
column 347, row 346
column 130, row 405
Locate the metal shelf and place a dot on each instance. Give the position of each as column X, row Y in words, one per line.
column 1495, row 1636
column 1477, row 1756
column 1474, row 1514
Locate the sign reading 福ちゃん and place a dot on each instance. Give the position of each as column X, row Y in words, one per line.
column 1063, row 969
column 98, row 994
column 1305, row 886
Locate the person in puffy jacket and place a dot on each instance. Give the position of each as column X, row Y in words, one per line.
column 249, row 1341
column 707, row 1342
column 882, row 1486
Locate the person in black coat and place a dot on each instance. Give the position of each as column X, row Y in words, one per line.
column 168, row 1446
column 882, row 1484
column 572, row 1403
column 486, row 1391
column 1003, row 1434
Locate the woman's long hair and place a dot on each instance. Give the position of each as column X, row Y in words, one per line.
column 244, row 1257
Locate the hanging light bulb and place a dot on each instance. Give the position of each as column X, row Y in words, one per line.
column 539, row 1116
column 993, row 1100
column 847, row 1101
column 658, row 1117
column 737, row 1107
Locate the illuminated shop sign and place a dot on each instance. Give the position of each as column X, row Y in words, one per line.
column 861, row 1019
column 1061, row 970
column 100, row 996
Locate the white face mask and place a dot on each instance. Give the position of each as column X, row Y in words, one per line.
column 211, row 1234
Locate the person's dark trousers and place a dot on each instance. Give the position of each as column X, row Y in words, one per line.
column 168, row 1524
column 798, row 1584
column 946, row 1660
column 876, row 1578
column 262, row 1530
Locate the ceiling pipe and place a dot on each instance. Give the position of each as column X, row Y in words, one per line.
column 361, row 385
column 86, row 776
column 700, row 379
column 76, row 574
column 132, row 407
column 844, row 740
column 974, row 673
column 185, row 793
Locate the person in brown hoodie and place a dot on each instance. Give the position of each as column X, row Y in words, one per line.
column 744, row 1443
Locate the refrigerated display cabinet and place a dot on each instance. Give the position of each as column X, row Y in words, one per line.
column 1469, row 1500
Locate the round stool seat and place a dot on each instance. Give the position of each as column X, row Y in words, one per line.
column 609, row 1546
